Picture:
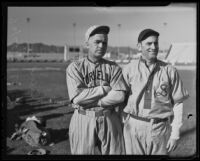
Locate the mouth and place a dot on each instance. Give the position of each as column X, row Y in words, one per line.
column 153, row 52
column 100, row 51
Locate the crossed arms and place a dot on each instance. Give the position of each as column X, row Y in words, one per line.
column 98, row 96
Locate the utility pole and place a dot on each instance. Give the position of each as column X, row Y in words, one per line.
column 119, row 26
column 74, row 36
column 74, row 33
column 28, row 43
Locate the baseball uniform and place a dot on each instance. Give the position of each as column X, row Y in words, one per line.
column 94, row 126
column 146, row 127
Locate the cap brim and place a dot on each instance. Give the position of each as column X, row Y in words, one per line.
column 146, row 33
column 100, row 29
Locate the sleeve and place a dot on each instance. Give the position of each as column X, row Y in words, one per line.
column 110, row 98
column 125, row 73
column 119, row 89
column 74, row 81
column 177, row 121
column 78, row 92
column 126, row 70
column 179, row 93
column 89, row 95
column 117, row 81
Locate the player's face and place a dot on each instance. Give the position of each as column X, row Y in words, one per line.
column 149, row 48
column 97, row 45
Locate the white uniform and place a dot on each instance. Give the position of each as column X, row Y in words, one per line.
column 142, row 134
column 91, row 126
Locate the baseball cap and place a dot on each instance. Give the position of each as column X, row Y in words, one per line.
column 95, row 29
column 146, row 33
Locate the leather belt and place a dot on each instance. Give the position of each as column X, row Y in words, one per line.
column 94, row 113
column 155, row 120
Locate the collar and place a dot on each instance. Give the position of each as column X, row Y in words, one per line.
column 144, row 61
column 95, row 64
column 152, row 66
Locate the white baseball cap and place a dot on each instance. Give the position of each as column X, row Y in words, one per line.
column 94, row 29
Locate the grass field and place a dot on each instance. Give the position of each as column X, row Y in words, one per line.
column 40, row 83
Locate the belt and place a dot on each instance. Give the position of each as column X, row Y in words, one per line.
column 94, row 113
column 155, row 120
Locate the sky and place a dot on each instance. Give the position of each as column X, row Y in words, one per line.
column 67, row 25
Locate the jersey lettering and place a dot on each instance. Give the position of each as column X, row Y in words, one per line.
column 95, row 75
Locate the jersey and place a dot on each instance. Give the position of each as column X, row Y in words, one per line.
column 166, row 89
column 86, row 78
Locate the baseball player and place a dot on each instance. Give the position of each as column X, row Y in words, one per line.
column 156, row 95
column 95, row 86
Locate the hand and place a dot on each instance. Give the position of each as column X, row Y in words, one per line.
column 171, row 145
column 124, row 117
column 106, row 88
column 99, row 103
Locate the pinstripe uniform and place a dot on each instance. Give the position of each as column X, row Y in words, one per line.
column 88, row 126
column 165, row 89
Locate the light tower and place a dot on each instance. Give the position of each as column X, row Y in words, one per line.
column 119, row 27
column 28, row 43
column 74, row 33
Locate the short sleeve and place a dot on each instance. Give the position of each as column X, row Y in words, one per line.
column 117, row 81
column 125, row 72
column 179, row 93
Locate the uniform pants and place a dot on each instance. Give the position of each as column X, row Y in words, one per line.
column 86, row 132
column 146, row 138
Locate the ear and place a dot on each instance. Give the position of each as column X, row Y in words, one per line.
column 87, row 44
column 139, row 46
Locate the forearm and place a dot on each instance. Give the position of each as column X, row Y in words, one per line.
column 177, row 121
column 90, row 95
column 112, row 98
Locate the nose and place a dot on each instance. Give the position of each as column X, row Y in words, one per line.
column 101, row 45
column 153, row 46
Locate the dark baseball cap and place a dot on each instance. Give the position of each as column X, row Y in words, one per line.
column 95, row 29
column 146, row 33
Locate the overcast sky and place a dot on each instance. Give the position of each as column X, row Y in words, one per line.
column 54, row 25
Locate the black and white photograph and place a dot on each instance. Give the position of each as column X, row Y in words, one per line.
column 116, row 81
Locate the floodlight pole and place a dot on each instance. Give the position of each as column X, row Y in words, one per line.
column 74, row 36
column 74, row 33
column 28, row 43
column 119, row 26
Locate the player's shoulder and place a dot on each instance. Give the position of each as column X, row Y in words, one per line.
column 110, row 63
column 106, row 61
column 134, row 61
column 166, row 66
column 132, row 64
column 76, row 64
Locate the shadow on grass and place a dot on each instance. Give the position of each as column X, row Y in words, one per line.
column 32, row 109
column 59, row 135
column 14, row 115
column 51, row 116
column 9, row 149
column 13, row 94
column 26, row 106
column 69, row 112
column 188, row 131
column 186, row 146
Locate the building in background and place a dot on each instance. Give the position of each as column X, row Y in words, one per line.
column 74, row 52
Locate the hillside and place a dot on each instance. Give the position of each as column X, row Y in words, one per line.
column 44, row 48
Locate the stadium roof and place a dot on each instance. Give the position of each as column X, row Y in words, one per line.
column 182, row 53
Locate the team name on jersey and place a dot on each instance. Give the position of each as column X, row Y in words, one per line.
column 95, row 75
